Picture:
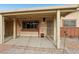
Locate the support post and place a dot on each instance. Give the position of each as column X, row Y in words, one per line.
column 54, row 31
column 14, row 28
column 58, row 29
column 1, row 29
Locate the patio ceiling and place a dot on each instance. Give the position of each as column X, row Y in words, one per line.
column 48, row 16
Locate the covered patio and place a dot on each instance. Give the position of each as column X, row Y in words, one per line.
column 49, row 24
column 12, row 27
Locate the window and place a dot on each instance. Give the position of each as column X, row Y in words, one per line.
column 29, row 24
column 69, row 23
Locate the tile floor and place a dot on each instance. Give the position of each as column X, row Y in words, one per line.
column 29, row 45
column 32, row 42
column 36, row 45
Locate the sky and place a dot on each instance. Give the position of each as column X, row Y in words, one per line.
column 19, row 6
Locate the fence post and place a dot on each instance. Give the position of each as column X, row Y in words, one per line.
column 65, row 33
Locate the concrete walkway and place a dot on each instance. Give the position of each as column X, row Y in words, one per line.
column 71, row 45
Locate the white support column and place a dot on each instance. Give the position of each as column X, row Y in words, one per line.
column 77, row 21
column 55, row 30
column 58, row 29
column 14, row 28
column 1, row 29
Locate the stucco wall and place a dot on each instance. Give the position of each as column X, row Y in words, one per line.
column 43, row 28
column 8, row 28
column 50, row 28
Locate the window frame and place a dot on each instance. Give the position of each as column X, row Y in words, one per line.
column 31, row 28
column 69, row 25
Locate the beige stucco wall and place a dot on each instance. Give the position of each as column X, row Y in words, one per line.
column 50, row 28
column 26, row 33
column 8, row 27
column 43, row 28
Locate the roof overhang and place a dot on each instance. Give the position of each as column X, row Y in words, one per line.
column 53, row 9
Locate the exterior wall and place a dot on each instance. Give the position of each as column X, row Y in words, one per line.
column 42, row 28
column 50, row 28
column 46, row 27
column 74, row 31
column 8, row 28
column 21, row 32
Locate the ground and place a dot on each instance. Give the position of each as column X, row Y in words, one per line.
column 12, row 49
column 35, row 45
